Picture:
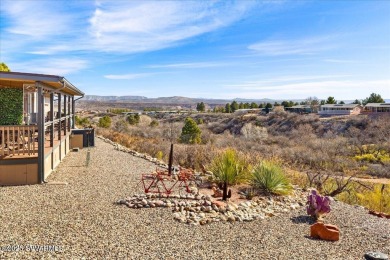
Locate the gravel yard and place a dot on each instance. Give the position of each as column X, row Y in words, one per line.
column 83, row 221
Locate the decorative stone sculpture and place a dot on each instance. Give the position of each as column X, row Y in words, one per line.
column 325, row 231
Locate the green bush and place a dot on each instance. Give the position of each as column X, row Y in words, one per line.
column 159, row 155
column 11, row 106
column 133, row 119
column 105, row 122
column 269, row 178
column 199, row 121
column 82, row 121
column 190, row 133
column 230, row 167
column 154, row 123
column 366, row 157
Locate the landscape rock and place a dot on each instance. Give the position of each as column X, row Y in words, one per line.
column 375, row 256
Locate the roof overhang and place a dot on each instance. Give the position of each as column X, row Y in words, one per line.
column 378, row 105
column 18, row 79
column 341, row 105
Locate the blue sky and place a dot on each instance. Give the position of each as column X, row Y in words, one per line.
column 212, row 49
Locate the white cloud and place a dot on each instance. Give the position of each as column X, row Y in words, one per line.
column 290, row 47
column 130, row 27
column 340, row 61
column 191, row 65
column 56, row 66
column 114, row 26
column 128, row 76
column 36, row 19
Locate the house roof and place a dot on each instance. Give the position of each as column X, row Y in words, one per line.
column 18, row 79
column 341, row 105
column 378, row 105
column 300, row 106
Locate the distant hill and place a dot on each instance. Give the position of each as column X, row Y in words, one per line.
column 113, row 98
column 171, row 100
column 178, row 100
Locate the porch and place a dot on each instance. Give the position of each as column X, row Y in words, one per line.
column 37, row 136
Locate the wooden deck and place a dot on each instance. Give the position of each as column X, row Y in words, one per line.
column 23, row 152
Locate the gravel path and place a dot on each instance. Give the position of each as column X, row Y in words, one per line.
column 82, row 220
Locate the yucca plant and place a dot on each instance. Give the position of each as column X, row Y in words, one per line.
column 269, row 178
column 229, row 168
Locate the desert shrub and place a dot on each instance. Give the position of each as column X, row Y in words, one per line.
column 199, row 121
column 82, row 121
column 154, row 123
column 207, row 136
column 171, row 131
column 190, row 133
column 121, row 126
column 251, row 131
column 133, row 119
column 366, row 157
column 269, row 178
column 159, row 155
column 230, row 167
column 105, row 122
column 377, row 199
column 379, row 170
column 373, row 196
column 145, row 120
column 193, row 156
column 297, row 178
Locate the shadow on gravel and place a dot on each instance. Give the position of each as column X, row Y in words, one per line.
column 303, row 219
column 317, row 239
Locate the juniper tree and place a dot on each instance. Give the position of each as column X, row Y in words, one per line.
column 190, row 133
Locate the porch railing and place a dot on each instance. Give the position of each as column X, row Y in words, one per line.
column 18, row 140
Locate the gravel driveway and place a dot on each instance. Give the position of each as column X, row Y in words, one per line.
column 80, row 220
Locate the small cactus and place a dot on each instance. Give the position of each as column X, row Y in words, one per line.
column 317, row 205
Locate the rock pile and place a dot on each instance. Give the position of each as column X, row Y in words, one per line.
column 200, row 209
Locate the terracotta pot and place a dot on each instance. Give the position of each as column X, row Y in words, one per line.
column 325, row 231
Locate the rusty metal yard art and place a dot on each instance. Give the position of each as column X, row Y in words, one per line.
column 164, row 182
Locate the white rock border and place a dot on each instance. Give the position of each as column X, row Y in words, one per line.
column 200, row 209
column 134, row 153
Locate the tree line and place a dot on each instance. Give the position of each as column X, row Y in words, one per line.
column 313, row 102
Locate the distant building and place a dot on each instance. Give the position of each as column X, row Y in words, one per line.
column 248, row 111
column 300, row 109
column 131, row 113
column 377, row 108
column 340, row 109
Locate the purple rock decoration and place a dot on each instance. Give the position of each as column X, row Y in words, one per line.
column 317, row 205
